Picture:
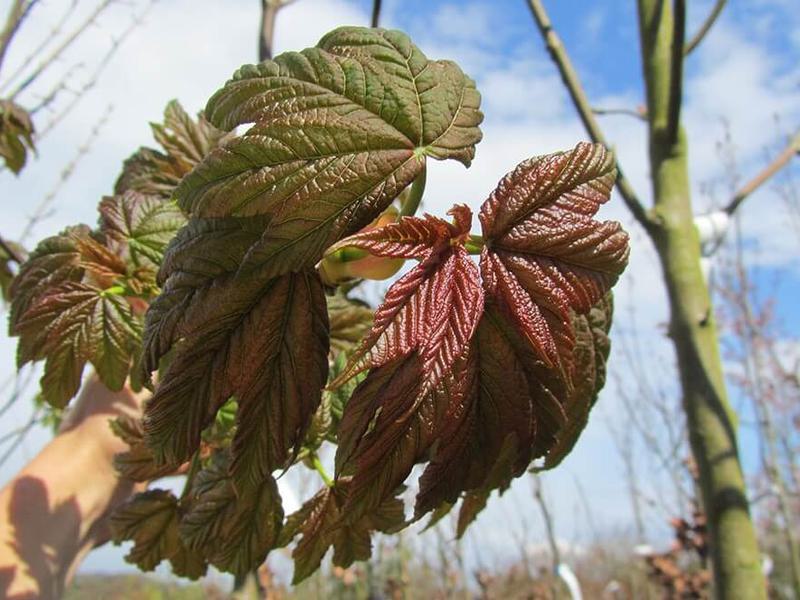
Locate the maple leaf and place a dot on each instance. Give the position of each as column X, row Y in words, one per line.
column 137, row 463
column 271, row 356
column 434, row 308
column 70, row 325
column 419, row 333
column 140, row 225
column 349, row 321
column 320, row 521
column 185, row 143
column 150, row 520
column 16, row 135
column 545, row 254
column 74, row 255
column 338, row 132
column 233, row 531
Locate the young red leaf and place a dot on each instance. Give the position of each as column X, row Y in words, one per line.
column 545, row 255
column 234, row 531
column 432, row 310
column 185, row 143
column 74, row 323
column 150, row 520
column 320, row 521
column 272, row 356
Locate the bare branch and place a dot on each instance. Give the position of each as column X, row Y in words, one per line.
column 637, row 113
column 376, row 13
column 56, row 53
column 783, row 159
column 99, row 68
column 46, row 41
column 43, row 209
column 16, row 15
column 705, row 27
column 10, row 252
column 676, row 70
column 582, row 105
column 266, row 33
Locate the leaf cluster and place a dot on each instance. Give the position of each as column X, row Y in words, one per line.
column 475, row 369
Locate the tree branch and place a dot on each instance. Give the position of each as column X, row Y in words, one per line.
column 376, row 12
column 16, row 15
column 637, row 113
column 53, row 56
column 780, row 161
column 10, row 252
column 582, row 105
column 676, row 70
column 46, row 41
column 705, row 27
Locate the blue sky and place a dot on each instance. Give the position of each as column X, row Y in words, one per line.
column 745, row 74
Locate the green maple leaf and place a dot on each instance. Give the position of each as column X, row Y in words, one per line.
column 150, row 520
column 338, row 131
column 322, row 523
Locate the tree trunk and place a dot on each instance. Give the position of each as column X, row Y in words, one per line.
column 712, row 425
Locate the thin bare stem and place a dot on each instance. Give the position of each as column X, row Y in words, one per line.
column 116, row 44
column 376, row 13
column 266, row 33
column 636, row 113
column 705, row 27
column 570, row 78
column 51, row 58
column 42, row 210
column 676, row 71
column 16, row 15
column 10, row 252
column 780, row 161
column 48, row 39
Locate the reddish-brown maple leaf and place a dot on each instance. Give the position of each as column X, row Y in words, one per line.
column 545, row 254
column 433, row 309
column 423, row 328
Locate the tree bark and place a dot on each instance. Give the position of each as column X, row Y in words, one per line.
column 712, row 424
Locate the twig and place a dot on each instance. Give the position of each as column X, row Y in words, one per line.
column 61, row 86
column 12, row 254
column 676, row 70
column 705, row 27
column 376, row 13
column 41, row 210
column 266, row 33
column 783, row 159
column 637, row 113
column 16, row 15
column 53, row 56
column 48, row 39
column 95, row 76
column 582, row 105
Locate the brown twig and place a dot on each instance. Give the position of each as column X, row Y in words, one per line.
column 95, row 76
column 676, row 71
column 780, row 161
column 637, row 113
column 376, row 13
column 12, row 254
column 16, row 15
column 41, row 210
column 46, row 41
column 266, row 33
column 56, row 53
column 570, row 78
column 705, row 27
